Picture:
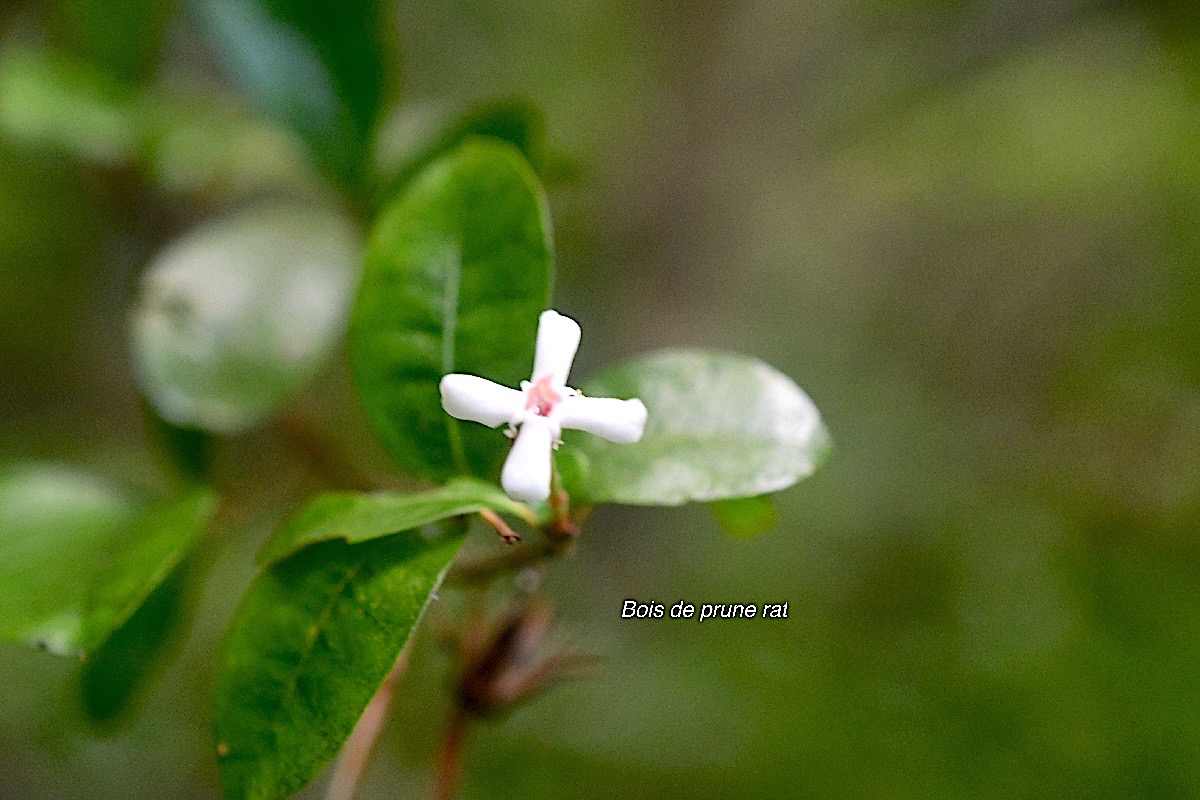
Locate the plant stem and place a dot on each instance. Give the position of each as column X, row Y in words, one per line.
column 499, row 525
column 562, row 525
column 352, row 765
column 449, row 759
column 489, row 680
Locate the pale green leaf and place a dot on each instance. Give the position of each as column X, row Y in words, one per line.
column 233, row 319
column 720, row 425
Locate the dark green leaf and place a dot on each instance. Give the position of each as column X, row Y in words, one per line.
column 515, row 120
column 116, row 675
column 720, row 426
column 359, row 517
column 122, row 37
column 745, row 517
column 319, row 67
column 187, row 451
column 309, row 645
column 456, row 274
column 78, row 555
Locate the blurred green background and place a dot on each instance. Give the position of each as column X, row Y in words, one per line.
column 967, row 229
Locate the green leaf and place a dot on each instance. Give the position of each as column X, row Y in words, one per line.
column 319, row 67
column 158, row 541
column 184, row 139
column 405, row 146
column 310, row 644
column 115, row 677
column 745, row 517
column 54, row 524
column 720, row 426
column 57, row 103
column 360, row 517
column 233, row 319
column 456, row 274
column 187, row 452
column 79, row 555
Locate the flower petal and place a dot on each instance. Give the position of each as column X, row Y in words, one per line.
column 526, row 474
column 621, row 421
column 557, row 341
column 479, row 400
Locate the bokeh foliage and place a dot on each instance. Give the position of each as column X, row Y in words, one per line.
column 967, row 229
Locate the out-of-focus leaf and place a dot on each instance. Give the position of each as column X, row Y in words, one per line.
column 117, row 674
column 309, row 645
column 54, row 102
column 157, row 542
column 233, row 319
column 411, row 141
column 182, row 138
column 745, row 517
column 187, row 451
column 78, row 555
column 456, row 273
column 121, row 37
column 319, row 67
column 720, row 426
column 54, row 523
column 197, row 142
column 360, row 517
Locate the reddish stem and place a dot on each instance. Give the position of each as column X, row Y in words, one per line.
column 449, row 759
column 507, row 534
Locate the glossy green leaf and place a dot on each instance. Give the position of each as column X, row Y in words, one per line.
column 416, row 136
column 745, row 517
column 360, row 517
column 79, row 555
column 234, row 319
column 319, row 67
column 116, row 676
column 456, row 274
column 720, row 426
column 309, row 645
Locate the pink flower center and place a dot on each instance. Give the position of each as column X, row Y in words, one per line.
column 541, row 397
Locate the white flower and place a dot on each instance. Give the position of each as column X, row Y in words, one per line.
column 542, row 408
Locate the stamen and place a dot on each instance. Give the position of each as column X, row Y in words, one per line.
column 541, row 397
